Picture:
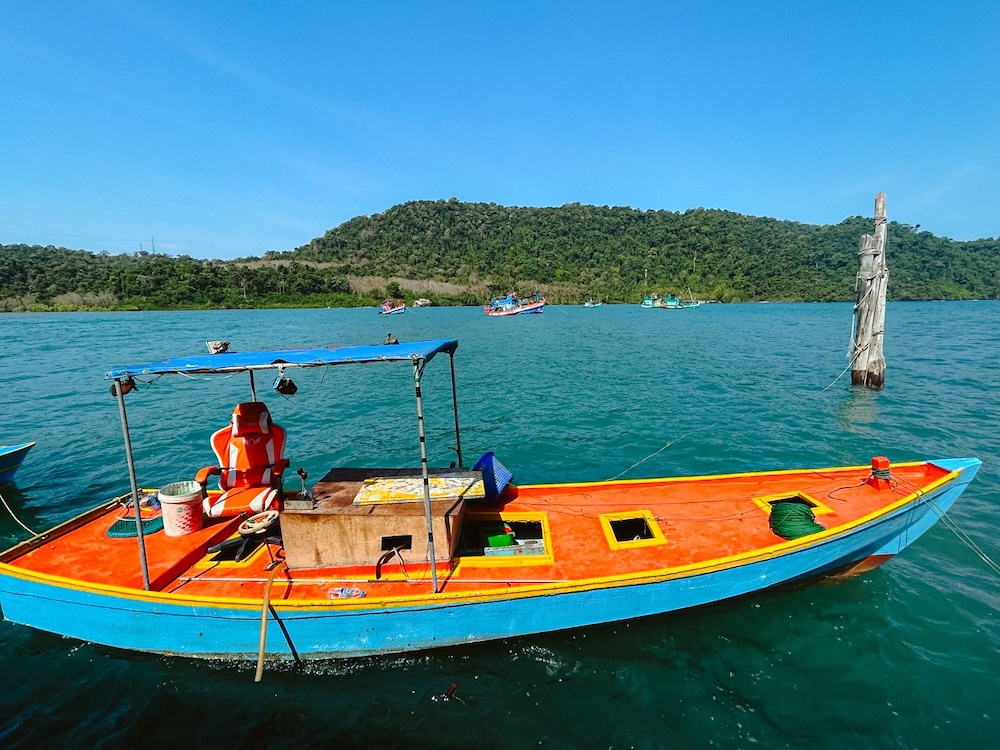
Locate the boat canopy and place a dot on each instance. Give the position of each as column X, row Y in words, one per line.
column 281, row 358
column 416, row 352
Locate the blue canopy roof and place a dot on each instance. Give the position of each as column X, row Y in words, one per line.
column 322, row 357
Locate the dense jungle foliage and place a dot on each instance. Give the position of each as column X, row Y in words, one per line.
column 615, row 253
column 568, row 253
column 49, row 278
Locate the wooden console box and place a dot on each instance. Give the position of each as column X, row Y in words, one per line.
column 336, row 532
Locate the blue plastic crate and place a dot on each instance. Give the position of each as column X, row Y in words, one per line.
column 496, row 476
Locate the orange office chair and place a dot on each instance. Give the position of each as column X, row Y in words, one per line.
column 250, row 464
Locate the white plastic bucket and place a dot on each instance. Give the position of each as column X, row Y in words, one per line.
column 181, row 506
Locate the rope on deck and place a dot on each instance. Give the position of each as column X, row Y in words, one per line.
column 792, row 519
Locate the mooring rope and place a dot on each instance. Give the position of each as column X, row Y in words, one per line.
column 669, row 443
column 967, row 541
column 4, row 501
column 732, row 418
column 952, row 526
column 854, row 316
column 843, row 372
column 849, row 366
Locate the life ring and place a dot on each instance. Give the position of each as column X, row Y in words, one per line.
column 258, row 522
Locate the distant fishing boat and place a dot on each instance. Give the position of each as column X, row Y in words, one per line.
column 675, row 302
column 11, row 456
column 591, row 303
column 384, row 560
column 392, row 307
column 670, row 302
column 422, row 302
column 514, row 305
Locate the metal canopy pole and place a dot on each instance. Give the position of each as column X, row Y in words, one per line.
column 135, row 487
column 424, row 473
column 454, row 401
column 253, row 389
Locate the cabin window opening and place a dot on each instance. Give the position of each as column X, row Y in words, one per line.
column 631, row 529
column 404, row 541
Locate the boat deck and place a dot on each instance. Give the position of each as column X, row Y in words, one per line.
column 566, row 533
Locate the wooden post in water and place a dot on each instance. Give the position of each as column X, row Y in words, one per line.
column 867, row 360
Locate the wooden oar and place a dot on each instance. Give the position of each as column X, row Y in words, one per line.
column 273, row 565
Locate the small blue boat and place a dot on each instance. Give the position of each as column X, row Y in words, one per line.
column 11, row 457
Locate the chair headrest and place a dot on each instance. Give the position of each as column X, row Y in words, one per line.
column 251, row 418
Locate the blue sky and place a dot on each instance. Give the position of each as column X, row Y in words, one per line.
column 224, row 129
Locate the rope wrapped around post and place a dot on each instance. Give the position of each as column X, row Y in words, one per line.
column 867, row 359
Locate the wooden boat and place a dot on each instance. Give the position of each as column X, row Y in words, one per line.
column 381, row 560
column 670, row 302
column 392, row 307
column 12, row 456
column 513, row 305
column 676, row 302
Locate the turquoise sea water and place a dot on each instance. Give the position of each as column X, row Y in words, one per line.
column 904, row 656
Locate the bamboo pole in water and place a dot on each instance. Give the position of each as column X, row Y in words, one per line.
column 263, row 623
column 867, row 359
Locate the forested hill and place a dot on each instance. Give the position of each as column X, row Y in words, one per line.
column 569, row 253
column 607, row 252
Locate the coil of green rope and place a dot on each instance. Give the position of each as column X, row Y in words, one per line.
column 791, row 520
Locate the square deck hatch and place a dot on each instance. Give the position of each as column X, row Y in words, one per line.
column 629, row 529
